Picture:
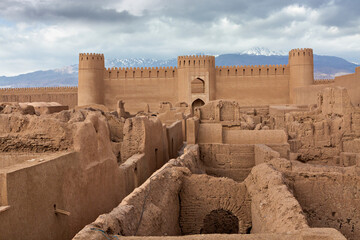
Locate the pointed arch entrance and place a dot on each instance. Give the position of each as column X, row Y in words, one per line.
column 197, row 103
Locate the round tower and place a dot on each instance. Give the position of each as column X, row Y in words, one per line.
column 196, row 79
column 91, row 79
column 301, row 63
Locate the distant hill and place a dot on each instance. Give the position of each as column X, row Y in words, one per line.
column 324, row 67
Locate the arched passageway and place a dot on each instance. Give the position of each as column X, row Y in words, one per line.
column 197, row 103
column 220, row 221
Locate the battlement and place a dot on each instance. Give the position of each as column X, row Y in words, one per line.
column 91, row 56
column 323, row 81
column 39, row 89
column 196, row 61
column 91, row 61
column 137, row 72
column 251, row 70
column 301, row 52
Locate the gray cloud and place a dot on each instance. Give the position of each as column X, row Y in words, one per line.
column 33, row 30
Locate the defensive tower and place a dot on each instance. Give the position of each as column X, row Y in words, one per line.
column 196, row 79
column 301, row 62
column 91, row 79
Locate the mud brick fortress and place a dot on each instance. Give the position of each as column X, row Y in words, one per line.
column 191, row 152
column 197, row 80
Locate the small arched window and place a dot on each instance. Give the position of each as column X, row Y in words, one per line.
column 198, row 86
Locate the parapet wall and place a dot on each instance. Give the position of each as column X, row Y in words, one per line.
column 143, row 73
column 91, row 61
column 253, row 85
column 196, row 61
column 63, row 95
column 138, row 87
column 242, row 71
column 323, row 81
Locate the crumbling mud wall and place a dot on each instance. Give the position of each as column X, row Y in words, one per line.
column 273, row 207
column 75, row 151
column 144, row 148
column 228, row 160
column 329, row 197
column 72, row 172
column 174, row 134
column 319, row 135
column 214, row 205
column 262, row 205
column 151, row 209
column 235, row 161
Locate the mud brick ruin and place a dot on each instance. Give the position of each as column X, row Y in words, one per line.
column 193, row 152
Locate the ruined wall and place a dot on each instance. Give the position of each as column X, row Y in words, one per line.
column 227, row 160
column 273, row 207
column 140, row 86
column 318, row 135
column 254, row 137
column 63, row 95
column 151, row 209
column 174, row 134
column 225, row 200
column 264, row 154
column 329, row 200
column 70, row 163
column 36, row 188
column 143, row 149
column 251, row 85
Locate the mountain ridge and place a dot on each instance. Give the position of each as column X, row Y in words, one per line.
column 325, row 67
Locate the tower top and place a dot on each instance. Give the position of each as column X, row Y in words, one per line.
column 196, row 61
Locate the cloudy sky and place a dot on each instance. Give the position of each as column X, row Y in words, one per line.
column 45, row 34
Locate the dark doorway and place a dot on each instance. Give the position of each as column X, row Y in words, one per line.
column 197, row 103
column 220, row 221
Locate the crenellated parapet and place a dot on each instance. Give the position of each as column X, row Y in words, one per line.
column 323, row 81
column 140, row 72
column 91, row 60
column 196, row 61
column 301, row 52
column 38, row 90
column 250, row 70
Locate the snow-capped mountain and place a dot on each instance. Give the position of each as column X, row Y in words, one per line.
column 261, row 51
column 139, row 62
column 324, row 67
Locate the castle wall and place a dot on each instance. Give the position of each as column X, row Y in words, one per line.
column 308, row 94
column 140, row 86
column 253, row 85
column 352, row 83
column 63, row 95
